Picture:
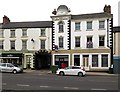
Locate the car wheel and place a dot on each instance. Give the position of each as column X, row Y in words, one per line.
column 14, row 71
column 61, row 73
column 80, row 74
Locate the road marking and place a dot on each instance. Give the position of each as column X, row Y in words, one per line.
column 4, row 84
column 44, row 86
column 23, row 85
column 70, row 88
column 97, row 89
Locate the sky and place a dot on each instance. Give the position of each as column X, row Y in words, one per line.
column 41, row 10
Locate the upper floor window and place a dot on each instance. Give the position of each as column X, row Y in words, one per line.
column 101, row 24
column 61, row 26
column 42, row 44
column 60, row 42
column 42, row 32
column 24, row 44
column 77, row 26
column 101, row 40
column 77, row 41
column 24, row 32
column 89, row 42
column 12, row 32
column 89, row 25
column 1, row 44
column 12, row 44
column 1, row 33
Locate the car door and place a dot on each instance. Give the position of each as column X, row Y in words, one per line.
column 9, row 68
column 68, row 71
column 3, row 67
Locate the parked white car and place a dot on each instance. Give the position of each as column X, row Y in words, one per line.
column 8, row 67
column 72, row 70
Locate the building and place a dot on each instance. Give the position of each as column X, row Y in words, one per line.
column 68, row 39
column 19, row 41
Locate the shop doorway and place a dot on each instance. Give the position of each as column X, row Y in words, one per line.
column 86, row 62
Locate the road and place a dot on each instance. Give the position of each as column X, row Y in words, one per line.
column 38, row 81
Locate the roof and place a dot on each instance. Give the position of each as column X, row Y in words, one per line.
column 92, row 15
column 34, row 24
column 116, row 29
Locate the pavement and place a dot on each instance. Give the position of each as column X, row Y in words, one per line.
column 89, row 73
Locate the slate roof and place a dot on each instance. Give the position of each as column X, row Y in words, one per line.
column 116, row 29
column 92, row 15
column 34, row 24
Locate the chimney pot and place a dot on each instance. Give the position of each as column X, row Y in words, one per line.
column 6, row 20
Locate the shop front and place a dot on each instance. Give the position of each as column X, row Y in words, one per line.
column 14, row 58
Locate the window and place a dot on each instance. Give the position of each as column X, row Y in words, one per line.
column 12, row 44
column 104, row 60
column 12, row 33
column 77, row 60
column 1, row 44
column 42, row 32
column 1, row 33
column 42, row 44
column 77, row 26
column 101, row 24
column 101, row 40
column 24, row 32
column 89, row 42
column 24, row 44
column 89, row 25
column 60, row 42
column 94, row 60
column 61, row 26
column 77, row 41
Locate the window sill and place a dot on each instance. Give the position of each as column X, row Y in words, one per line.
column 77, row 30
column 89, row 30
column 101, row 29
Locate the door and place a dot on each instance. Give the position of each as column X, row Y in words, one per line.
column 86, row 62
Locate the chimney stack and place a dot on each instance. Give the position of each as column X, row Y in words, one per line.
column 6, row 20
column 107, row 9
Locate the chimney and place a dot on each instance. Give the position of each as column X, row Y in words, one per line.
column 107, row 9
column 6, row 20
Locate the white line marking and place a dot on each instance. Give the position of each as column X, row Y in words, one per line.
column 97, row 89
column 23, row 85
column 4, row 84
column 44, row 86
column 70, row 88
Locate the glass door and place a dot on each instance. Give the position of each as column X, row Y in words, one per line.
column 86, row 62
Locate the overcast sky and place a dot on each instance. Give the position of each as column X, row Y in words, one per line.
column 41, row 10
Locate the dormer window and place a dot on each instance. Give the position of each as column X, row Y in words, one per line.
column 61, row 26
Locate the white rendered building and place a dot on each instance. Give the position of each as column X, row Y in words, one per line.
column 83, row 40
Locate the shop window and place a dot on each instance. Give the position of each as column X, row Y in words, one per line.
column 94, row 60
column 104, row 61
column 77, row 60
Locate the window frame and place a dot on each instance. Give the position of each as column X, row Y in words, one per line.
column 61, row 42
column 12, row 33
column 24, row 32
column 24, row 45
column 12, row 43
column 61, row 26
column 101, row 41
column 42, row 44
column 77, row 44
column 77, row 26
column 89, row 25
column 102, row 26
column 43, row 32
